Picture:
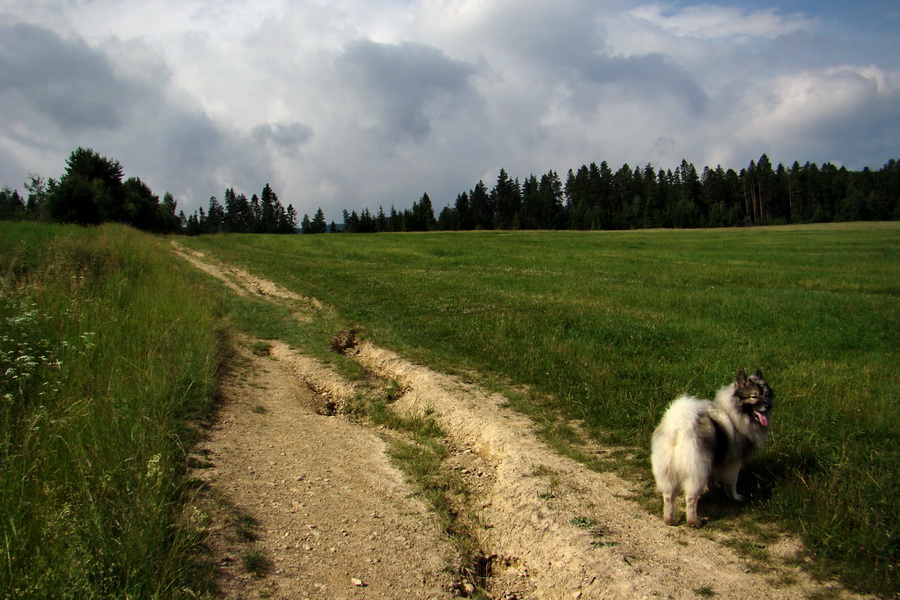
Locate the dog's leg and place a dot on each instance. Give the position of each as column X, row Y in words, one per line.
column 690, row 505
column 669, row 509
column 692, row 492
column 729, row 477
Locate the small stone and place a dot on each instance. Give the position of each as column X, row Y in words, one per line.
column 357, row 582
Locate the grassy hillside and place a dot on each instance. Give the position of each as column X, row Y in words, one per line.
column 608, row 327
column 107, row 344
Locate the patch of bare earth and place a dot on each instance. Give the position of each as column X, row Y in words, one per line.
column 304, row 505
column 332, row 511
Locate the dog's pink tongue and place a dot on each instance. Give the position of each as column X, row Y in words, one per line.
column 763, row 419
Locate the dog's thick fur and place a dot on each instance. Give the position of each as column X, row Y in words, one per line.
column 698, row 440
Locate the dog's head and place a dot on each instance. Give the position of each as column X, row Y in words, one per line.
column 755, row 396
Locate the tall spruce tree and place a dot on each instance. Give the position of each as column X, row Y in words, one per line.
column 318, row 223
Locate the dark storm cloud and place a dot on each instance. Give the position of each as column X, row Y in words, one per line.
column 398, row 83
column 123, row 109
column 287, row 137
column 195, row 157
column 68, row 82
column 189, row 138
column 568, row 43
column 648, row 76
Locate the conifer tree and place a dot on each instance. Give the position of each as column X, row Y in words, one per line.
column 318, row 223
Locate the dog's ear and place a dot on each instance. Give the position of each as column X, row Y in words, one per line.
column 741, row 379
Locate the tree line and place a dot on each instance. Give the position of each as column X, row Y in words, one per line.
column 237, row 214
column 92, row 190
column 596, row 197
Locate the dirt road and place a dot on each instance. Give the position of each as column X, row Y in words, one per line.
column 330, row 517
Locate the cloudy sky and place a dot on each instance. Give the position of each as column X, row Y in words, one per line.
column 361, row 103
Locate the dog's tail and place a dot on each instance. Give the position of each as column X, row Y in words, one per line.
column 679, row 456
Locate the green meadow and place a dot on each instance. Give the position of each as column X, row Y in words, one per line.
column 108, row 346
column 606, row 328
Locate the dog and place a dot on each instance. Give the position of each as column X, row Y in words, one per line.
column 698, row 441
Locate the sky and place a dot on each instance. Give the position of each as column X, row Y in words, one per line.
column 351, row 104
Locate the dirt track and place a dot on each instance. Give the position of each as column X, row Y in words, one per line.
column 336, row 520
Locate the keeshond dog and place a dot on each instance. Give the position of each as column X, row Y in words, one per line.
column 699, row 441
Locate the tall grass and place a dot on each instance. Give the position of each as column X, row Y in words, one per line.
column 609, row 327
column 106, row 347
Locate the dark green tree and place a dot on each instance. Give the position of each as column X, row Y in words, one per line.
column 89, row 192
column 531, row 209
column 268, row 210
column 318, row 223
column 551, row 191
column 448, row 220
column 238, row 215
column 381, row 221
column 464, row 212
column 306, row 225
column 506, row 199
column 37, row 196
column 396, row 222
column 422, row 217
column 290, row 222
column 578, row 198
column 12, row 205
column 481, row 208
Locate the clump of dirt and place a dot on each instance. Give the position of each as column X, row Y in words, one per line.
column 346, row 342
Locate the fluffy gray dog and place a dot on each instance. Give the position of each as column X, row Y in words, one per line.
column 699, row 440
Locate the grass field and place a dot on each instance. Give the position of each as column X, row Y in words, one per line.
column 608, row 327
column 107, row 345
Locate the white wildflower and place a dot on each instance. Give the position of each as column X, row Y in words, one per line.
column 154, row 468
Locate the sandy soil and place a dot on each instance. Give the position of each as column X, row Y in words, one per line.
column 315, row 496
column 336, row 520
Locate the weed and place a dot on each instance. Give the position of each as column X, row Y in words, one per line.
column 261, row 348
column 255, row 563
column 582, row 522
column 107, row 347
column 595, row 530
column 245, row 527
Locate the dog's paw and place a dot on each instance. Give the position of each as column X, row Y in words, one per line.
column 737, row 497
column 695, row 523
column 670, row 521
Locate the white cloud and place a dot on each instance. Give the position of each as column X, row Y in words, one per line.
column 396, row 86
column 804, row 101
column 828, row 111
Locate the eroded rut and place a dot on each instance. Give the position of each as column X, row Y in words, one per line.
column 338, row 521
